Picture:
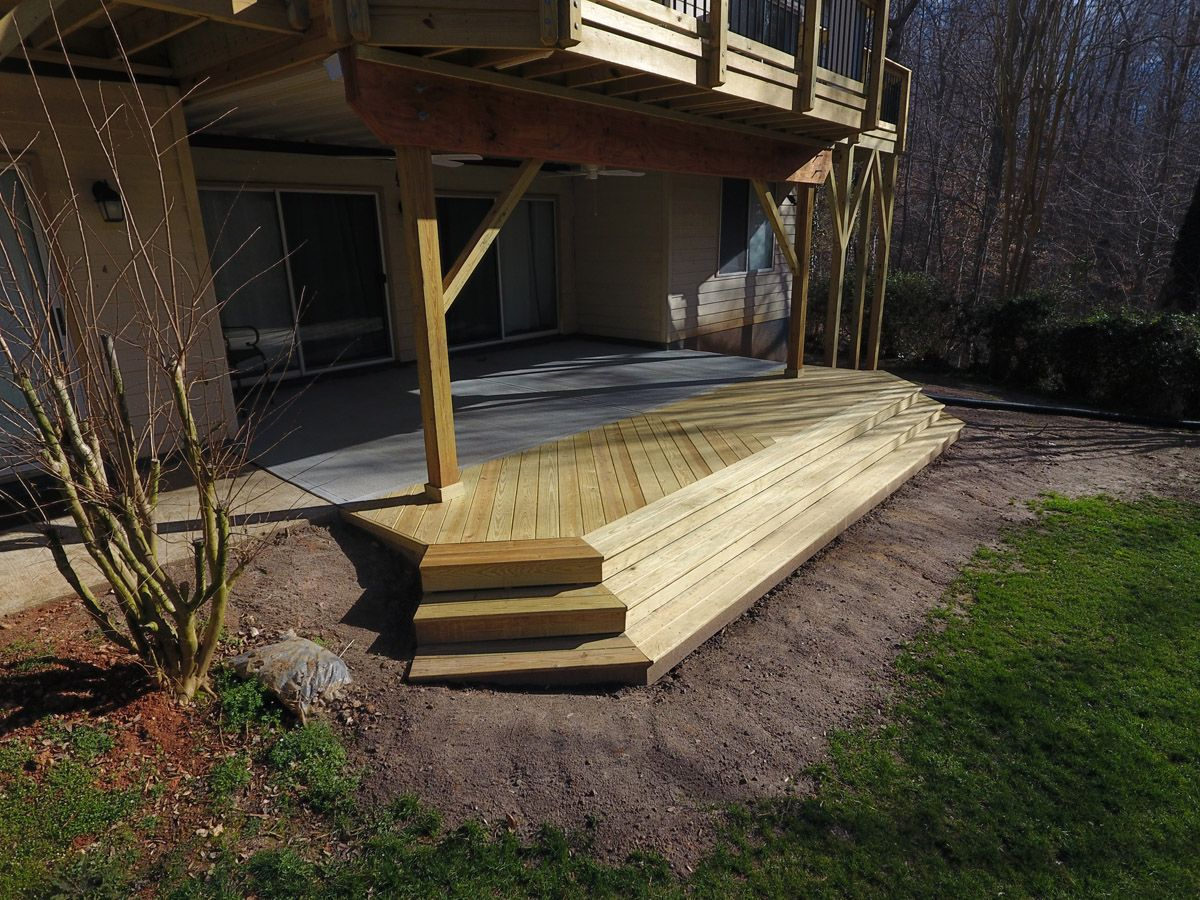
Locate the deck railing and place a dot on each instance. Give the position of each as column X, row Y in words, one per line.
column 828, row 53
column 893, row 84
column 846, row 28
column 894, row 99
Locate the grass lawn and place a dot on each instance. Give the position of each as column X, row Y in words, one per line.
column 1045, row 740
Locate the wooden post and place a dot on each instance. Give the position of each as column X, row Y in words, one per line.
column 840, row 206
column 418, row 210
column 807, row 48
column 718, row 42
column 861, row 271
column 886, row 201
column 798, row 319
column 874, row 86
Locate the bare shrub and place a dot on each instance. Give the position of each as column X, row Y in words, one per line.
column 106, row 441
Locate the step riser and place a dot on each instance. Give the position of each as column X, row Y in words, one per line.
column 567, row 676
column 485, row 626
column 549, row 661
column 526, row 573
column 510, row 564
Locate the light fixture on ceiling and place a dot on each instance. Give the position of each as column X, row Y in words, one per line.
column 593, row 172
column 455, row 160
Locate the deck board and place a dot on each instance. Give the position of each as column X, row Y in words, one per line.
column 679, row 518
column 583, row 482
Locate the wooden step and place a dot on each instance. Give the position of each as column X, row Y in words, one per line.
column 514, row 613
column 623, row 542
column 504, row 564
column 763, row 559
column 691, row 549
column 541, row 661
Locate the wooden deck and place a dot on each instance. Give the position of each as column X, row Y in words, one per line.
column 610, row 554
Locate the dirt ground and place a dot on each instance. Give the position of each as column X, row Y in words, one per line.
column 739, row 719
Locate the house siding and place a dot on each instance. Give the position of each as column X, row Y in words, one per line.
column 621, row 257
column 25, row 132
column 744, row 313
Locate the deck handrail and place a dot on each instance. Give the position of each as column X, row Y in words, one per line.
column 894, row 99
column 837, row 42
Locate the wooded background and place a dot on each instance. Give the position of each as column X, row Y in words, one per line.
column 1054, row 145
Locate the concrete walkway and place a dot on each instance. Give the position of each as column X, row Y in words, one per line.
column 263, row 503
column 357, row 436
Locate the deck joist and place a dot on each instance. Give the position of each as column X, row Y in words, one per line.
column 609, row 555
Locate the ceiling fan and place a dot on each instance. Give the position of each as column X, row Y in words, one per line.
column 455, row 160
column 593, row 172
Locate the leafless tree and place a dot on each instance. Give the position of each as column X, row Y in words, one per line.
column 71, row 411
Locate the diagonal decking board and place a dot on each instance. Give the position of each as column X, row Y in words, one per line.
column 659, row 528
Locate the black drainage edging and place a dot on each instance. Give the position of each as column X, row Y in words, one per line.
column 1071, row 411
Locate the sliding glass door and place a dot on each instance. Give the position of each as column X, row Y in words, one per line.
column 514, row 291
column 301, row 277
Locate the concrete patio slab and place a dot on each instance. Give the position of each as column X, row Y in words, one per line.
column 357, row 436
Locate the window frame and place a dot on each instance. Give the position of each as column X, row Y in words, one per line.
column 302, row 370
column 750, row 202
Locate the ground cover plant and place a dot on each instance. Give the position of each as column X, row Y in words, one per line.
column 1042, row 743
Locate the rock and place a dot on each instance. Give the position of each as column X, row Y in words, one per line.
column 297, row 671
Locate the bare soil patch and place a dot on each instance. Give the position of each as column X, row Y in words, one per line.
column 652, row 768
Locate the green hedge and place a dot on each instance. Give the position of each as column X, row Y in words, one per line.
column 1125, row 360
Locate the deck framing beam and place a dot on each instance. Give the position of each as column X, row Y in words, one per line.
column 418, row 209
column 22, row 20
column 416, row 101
column 487, row 232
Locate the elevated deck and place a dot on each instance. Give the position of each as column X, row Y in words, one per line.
column 609, row 555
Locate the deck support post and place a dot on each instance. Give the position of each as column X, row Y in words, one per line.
column 886, row 205
column 862, row 270
column 845, row 200
column 839, row 201
column 414, row 166
column 798, row 316
column 798, row 255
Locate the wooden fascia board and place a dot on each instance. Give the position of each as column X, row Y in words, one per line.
column 407, row 99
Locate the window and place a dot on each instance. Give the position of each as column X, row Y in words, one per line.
column 514, row 290
column 300, row 275
column 747, row 243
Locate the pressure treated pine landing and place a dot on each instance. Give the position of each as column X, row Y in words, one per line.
column 609, row 555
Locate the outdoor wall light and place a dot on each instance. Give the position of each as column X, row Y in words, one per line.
column 109, row 202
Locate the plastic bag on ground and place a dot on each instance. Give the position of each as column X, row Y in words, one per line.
column 296, row 670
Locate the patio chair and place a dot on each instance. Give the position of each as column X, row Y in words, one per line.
column 246, row 358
